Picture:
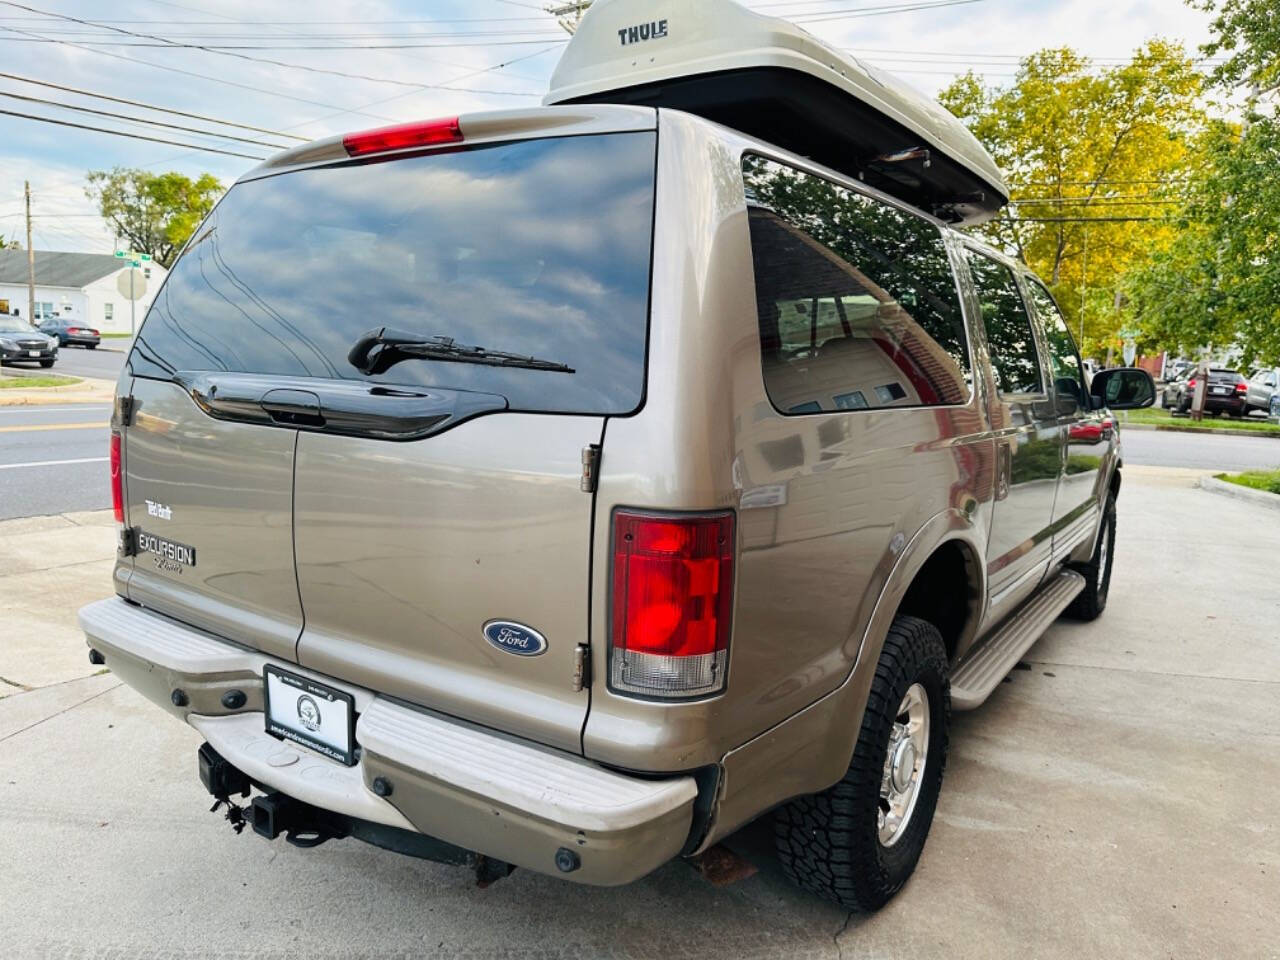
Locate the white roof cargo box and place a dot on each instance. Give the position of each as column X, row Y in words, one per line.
column 772, row 80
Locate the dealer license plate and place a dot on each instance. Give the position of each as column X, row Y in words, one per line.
column 312, row 714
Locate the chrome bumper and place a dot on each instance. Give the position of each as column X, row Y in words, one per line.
column 499, row 795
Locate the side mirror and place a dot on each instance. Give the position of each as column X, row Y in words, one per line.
column 1124, row 388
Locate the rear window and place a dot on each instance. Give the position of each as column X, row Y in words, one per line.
column 856, row 299
column 538, row 247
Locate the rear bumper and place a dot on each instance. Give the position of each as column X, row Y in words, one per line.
column 501, row 796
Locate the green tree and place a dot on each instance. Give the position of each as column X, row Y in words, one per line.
column 1247, row 33
column 7, row 244
column 1218, row 284
column 1095, row 158
column 154, row 212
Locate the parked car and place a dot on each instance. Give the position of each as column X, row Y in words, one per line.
column 70, row 332
column 1226, row 393
column 689, row 480
column 1262, row 386
column 20, row 342
column 1177, row 369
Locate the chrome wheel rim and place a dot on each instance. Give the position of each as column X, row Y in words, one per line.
column 904, row 765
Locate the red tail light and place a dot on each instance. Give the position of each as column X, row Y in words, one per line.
column 73, row 329
column 1191, row 384
column 1242, row 387
column 117, row 482
column 422, row 134
column 671, row 604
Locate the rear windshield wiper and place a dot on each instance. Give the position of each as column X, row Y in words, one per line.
column 379, row 349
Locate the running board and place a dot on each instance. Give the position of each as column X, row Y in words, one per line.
column 984, row 667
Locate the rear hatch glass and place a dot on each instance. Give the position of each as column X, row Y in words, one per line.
column 536, row 247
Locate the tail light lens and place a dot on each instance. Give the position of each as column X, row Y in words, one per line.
column 1242, row 387
column 117, row 482
column 671, row 604
column 1191, row 384
column 419, row 134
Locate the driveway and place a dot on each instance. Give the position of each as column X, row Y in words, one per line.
column 1115, row 798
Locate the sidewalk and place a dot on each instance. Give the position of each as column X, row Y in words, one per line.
column 88, row 390
column 49, row 568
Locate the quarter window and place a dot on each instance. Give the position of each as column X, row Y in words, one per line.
column 1009, row 338
column 856, row 299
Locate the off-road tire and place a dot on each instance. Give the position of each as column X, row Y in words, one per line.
column 1092, row 600
column 829, row 843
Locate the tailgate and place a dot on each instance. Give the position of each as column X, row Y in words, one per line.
column 210, row 504
column 406, row 553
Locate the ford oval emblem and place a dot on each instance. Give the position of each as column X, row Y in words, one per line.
column 511, row 637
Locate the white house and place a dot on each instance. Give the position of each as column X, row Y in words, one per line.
column 82, row 286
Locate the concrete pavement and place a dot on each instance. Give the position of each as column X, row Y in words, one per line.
column 1203, row 451
column 1115, row 799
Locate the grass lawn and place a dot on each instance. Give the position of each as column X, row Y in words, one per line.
column 8, row 382
column 1268, row 480
column 115, row 336
column 1160, row 417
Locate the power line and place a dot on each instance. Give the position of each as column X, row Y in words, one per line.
column 154, row 123
column 201, row 76
column 209, row 49
column 231, row 49
column 131, row 136
column 149, row 106
column 858, row 12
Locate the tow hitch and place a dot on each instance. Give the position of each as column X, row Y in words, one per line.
column 273, row 813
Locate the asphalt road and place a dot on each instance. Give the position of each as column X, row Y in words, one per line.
column 103, row 362
column 1197, row 451
column 53, row 459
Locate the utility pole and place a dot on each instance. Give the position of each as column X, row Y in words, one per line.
column 31, row 259
column 569, row 15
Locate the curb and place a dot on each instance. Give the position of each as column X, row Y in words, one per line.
column 1257, row 497
column 1219, row 431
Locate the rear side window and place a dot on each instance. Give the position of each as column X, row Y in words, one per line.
column 1068, row 373
column 856, row 300
column 1009, row 338
column 537, row 247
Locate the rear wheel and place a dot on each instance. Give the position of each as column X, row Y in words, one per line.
column 90, row 346
column 858, row 842
column 1092, row 600
column 46, row 364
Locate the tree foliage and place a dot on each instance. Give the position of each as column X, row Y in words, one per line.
column 1095, row 158
column 1219, row 283
column 154, row 212
column 1247, row 33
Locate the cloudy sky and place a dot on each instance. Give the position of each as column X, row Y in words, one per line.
column 450, row 56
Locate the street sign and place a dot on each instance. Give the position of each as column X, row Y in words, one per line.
column 133, row 255
column 1130, row 351
column 131, row 284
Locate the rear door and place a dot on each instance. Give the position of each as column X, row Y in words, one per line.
column 439, row 521
column 1028, row 438
column 1075, row 510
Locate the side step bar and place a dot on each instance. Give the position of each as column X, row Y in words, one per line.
column 990, row 662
